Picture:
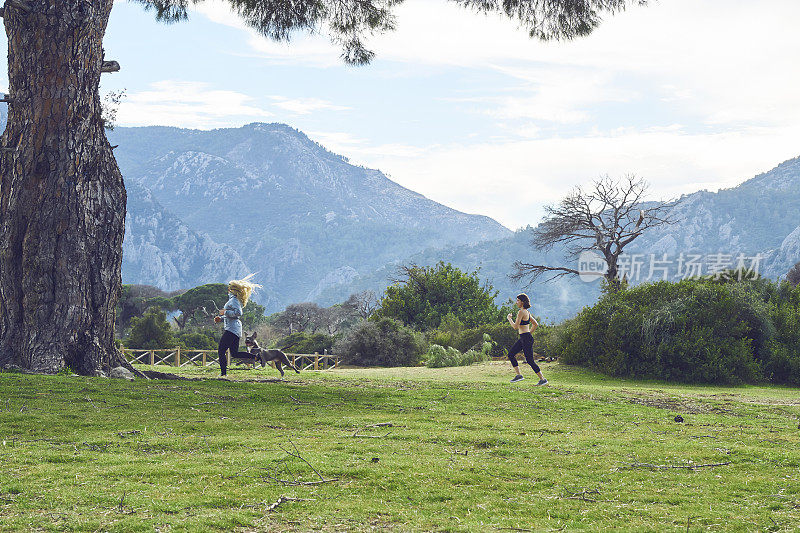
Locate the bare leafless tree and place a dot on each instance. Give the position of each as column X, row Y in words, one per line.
column 332, row 319
column 363, row 303
column 604, row 220
column 298, row 317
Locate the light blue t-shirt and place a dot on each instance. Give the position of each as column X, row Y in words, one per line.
column 233, row 310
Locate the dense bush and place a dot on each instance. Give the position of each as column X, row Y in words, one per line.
column 382, row 342
column 547, row 340
column 150, row 331
column 697, row 331
column 441, row 356
column 203, row 339
column 502, row 335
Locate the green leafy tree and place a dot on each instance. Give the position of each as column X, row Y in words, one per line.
column 196, row 304
column 134, row 300
column 793, row 276
column 204, row 339
column 253, row 315
column 151, row 331
column 424, row 296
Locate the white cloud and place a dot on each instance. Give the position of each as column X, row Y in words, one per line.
column 720, row 76
column 360, row 151
column 303, row 48
column 511, row 182
column 727, row 62
column 305, row 106
column 186, row 104
column 555, row 94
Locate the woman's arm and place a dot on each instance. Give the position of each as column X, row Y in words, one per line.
column 534, row 324
column 515, row 325
column 233, row 309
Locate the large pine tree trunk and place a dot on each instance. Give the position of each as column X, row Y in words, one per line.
column 62, row 199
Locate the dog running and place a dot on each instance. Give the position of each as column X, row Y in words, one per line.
column 265, row 355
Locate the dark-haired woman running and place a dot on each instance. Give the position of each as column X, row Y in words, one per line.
column 525, row 324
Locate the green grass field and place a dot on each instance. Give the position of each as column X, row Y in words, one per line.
column 466, row 451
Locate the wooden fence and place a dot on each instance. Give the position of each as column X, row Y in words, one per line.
column 178, row 358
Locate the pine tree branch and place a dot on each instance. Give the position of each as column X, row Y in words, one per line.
column 110, row 66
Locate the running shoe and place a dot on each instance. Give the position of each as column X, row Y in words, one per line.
column 518, row 377
column 542, row 382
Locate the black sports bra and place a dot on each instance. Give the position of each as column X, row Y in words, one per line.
column 525, row 322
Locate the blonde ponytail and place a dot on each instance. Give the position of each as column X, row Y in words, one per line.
column 243, row 288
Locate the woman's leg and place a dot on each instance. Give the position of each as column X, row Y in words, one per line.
column 228, row 341
column 527, row 348
column 512, row 355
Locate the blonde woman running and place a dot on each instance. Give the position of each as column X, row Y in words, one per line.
column 239, row 291
column 525, row 324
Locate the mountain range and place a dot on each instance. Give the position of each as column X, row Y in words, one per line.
column 759, row 217
column 269, row 198
column 317, row 228
column 208, row 206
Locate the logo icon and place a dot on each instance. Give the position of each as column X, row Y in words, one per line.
column 591, row 266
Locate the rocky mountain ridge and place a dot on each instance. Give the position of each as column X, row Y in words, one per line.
column 210, row 205
column 299, row 215
column 760, row 216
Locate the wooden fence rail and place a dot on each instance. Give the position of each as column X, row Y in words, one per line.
column 178, row 358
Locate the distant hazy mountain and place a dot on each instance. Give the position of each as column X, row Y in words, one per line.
column 302, row 217
column 210, row 205
column 760, row 216
column 552, row 301
column 755, row 216
column 159, row 249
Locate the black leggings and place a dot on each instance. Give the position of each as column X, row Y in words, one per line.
column 229, row 341
column 523, row 344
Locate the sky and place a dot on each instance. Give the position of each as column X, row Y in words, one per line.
column 469, row 111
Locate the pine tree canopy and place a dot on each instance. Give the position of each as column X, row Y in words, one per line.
column 349, row 22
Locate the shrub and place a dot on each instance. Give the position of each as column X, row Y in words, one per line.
column 203, row 339
column 699, row 331
column 150, row 331
column 549, row 341
column 781, row 362
column 501, row 335
column 382, row 342
column 441, row 356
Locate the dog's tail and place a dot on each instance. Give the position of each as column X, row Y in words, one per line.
column 290, row 345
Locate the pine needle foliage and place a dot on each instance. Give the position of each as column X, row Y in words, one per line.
column 348, row 23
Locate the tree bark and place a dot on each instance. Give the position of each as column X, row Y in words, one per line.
column 62, row 198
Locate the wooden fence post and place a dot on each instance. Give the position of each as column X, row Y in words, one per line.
column 178, row 356
column 316, row 361
column 152, row 358
column 204, row 358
